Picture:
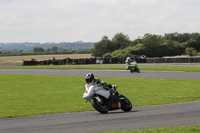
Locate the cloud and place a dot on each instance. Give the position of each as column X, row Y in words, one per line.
column 90, row 20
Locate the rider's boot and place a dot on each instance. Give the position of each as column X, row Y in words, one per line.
column 115, row 90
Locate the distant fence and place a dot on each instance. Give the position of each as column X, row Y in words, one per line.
column 111, row 60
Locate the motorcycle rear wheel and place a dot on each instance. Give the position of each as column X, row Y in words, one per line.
column 99, row 106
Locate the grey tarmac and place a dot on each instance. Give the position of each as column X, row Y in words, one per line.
column 106, row 73
column 159, row 116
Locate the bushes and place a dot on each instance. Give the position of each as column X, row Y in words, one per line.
column 150, row 45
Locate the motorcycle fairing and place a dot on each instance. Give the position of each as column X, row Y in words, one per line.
column 90, row 90
column 102, row 92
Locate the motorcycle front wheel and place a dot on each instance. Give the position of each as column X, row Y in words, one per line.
column 99, row 106
column 126, row 105
column 132, row 70
column 138, row 70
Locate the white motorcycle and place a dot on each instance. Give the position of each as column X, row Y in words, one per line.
column 103, row 100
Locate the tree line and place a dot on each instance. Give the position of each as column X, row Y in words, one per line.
column 55, row 49
column 31, row 48
column 42, row 51
column 151, row 45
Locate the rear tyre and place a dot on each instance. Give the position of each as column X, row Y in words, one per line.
column 125, row 104
column 99, row 106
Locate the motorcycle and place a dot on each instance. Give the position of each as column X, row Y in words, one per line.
column 133, row 67
column 103, row 100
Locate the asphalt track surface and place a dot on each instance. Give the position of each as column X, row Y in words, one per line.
column 91, row 121
column 105, row 73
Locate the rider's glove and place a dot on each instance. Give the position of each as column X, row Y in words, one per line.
column 104, row 84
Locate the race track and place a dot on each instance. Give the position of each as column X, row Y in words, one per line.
column 89, row 122
column 106, row 73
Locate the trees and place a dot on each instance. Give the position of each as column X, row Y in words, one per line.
column 119, row 41
column 55, row 49
column 178, row 37
column 152, row 45
column 38, row 49
column 190, row 51
column 194, row 41
column 120, row 45
column 102, row 47
column 151, row 41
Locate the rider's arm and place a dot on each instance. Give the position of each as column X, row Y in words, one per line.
column 100, row 82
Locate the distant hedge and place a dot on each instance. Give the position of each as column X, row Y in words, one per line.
column 37, row 53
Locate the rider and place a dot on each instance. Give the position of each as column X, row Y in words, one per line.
column 90, row 79
column 130, row 61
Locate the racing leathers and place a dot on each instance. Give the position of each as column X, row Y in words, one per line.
column 99, row 82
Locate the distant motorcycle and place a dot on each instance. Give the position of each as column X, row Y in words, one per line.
column 103, row 100
column 133, row 67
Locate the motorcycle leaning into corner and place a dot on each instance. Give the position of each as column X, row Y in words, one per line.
column 103, row 100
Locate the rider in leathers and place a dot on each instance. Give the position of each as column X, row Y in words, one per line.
column 129, row 61
column 90, row 79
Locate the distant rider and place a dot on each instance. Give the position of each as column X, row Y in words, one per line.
column 129, row 62
column 90, row 79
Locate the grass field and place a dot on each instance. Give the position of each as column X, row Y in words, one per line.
column 112, row 67
column 26, row 95
column 18, row 60
column 180, row 129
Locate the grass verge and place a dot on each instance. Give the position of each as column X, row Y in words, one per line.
column 180, row 129
column 25, row 95
column 112, row 67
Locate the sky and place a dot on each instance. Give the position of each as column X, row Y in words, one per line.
column 89, row 20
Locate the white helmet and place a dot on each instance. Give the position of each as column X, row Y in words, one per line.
column 128, row 58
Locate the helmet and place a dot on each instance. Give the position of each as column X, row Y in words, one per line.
column 89, row 77
column 128, row 58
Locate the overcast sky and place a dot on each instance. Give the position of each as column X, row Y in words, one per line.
column 90, row 20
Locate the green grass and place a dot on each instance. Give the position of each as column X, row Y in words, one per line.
column 172, row 68
column 180, row 129
column 26, row 95
column 112, row 67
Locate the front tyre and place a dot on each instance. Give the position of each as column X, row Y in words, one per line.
column 99, row 106
column 125, row 104
column 132, row 70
